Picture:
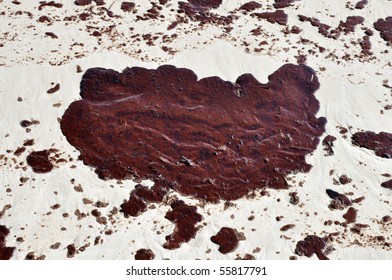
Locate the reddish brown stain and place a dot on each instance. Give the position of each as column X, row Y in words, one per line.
column 29, row 142
column 344, row 179
column 96, row 33
column 144, row 254
column 27, row 123
column 200, row 11
column 328, row 144
column 361, row 4
column 385, row 28
column 278, row 16
column 51, row 35
column 323, row 28
column 350, row 23
column 387, row 184
column 43, row 4
column 83, row 2
column 30, row 256
column 311, row 245
column 386, row 219
column 380, row 143
column 5, row 252
column 369, row 32
column 39, row 161
column 172, row 25
column 206, row 3
column 19, row 151
column 99, row 2
column 127, row 6
column 54, row 89
column 280, row 4
column 246, row 257
column 71, row 250
column 339, row 201
column 295, row 30
column 84, row 16
column 227, row 239
column 287, row 227
column 250, row 6
column 44, row 19
column 184, row 217
column 294, row 198
column 359, row 199
column 210, row 139
column 140, row 197
column 346, row 27
column 301, row 59
column 366, row 45
column 351, row 215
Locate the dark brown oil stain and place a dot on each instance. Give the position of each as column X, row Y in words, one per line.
column 5, row 252
column 366, row 45
column 27, row 123
column 361, row 4
column 301, row 59
column 323, row 28
column 144, row 254
column 83, row 2
column 311, row 245
column 140, row 197
column 280, row 4
column 385, row 28
column 184, row 217
column 279, row 16
column 19, row 151
column 328, row 144
column 43, row 19
column 351, row 22
column 213, row 4
column 359, row 199
column 380, row 143
column 99, row 2
column 51, row 35
column 287, row 227
column 387, row 184
column 351, row 215
column 29, row 142
column 246, row 257
column 369, row 32
column 250, row 6
column 294, row 198
column 345, row 27
column 84, row 16
column 344, row 180
column 227, row 239
column 200, row 11
column 39, row 161
column 71, row 250
column 339, row 201
column 128, row 6
column 209, row 139
column 386, row 219
column 43, row 4
column 54, row 89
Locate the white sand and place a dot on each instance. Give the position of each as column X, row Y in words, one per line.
column 351, row 95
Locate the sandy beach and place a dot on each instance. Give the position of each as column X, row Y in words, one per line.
column 65, row 211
